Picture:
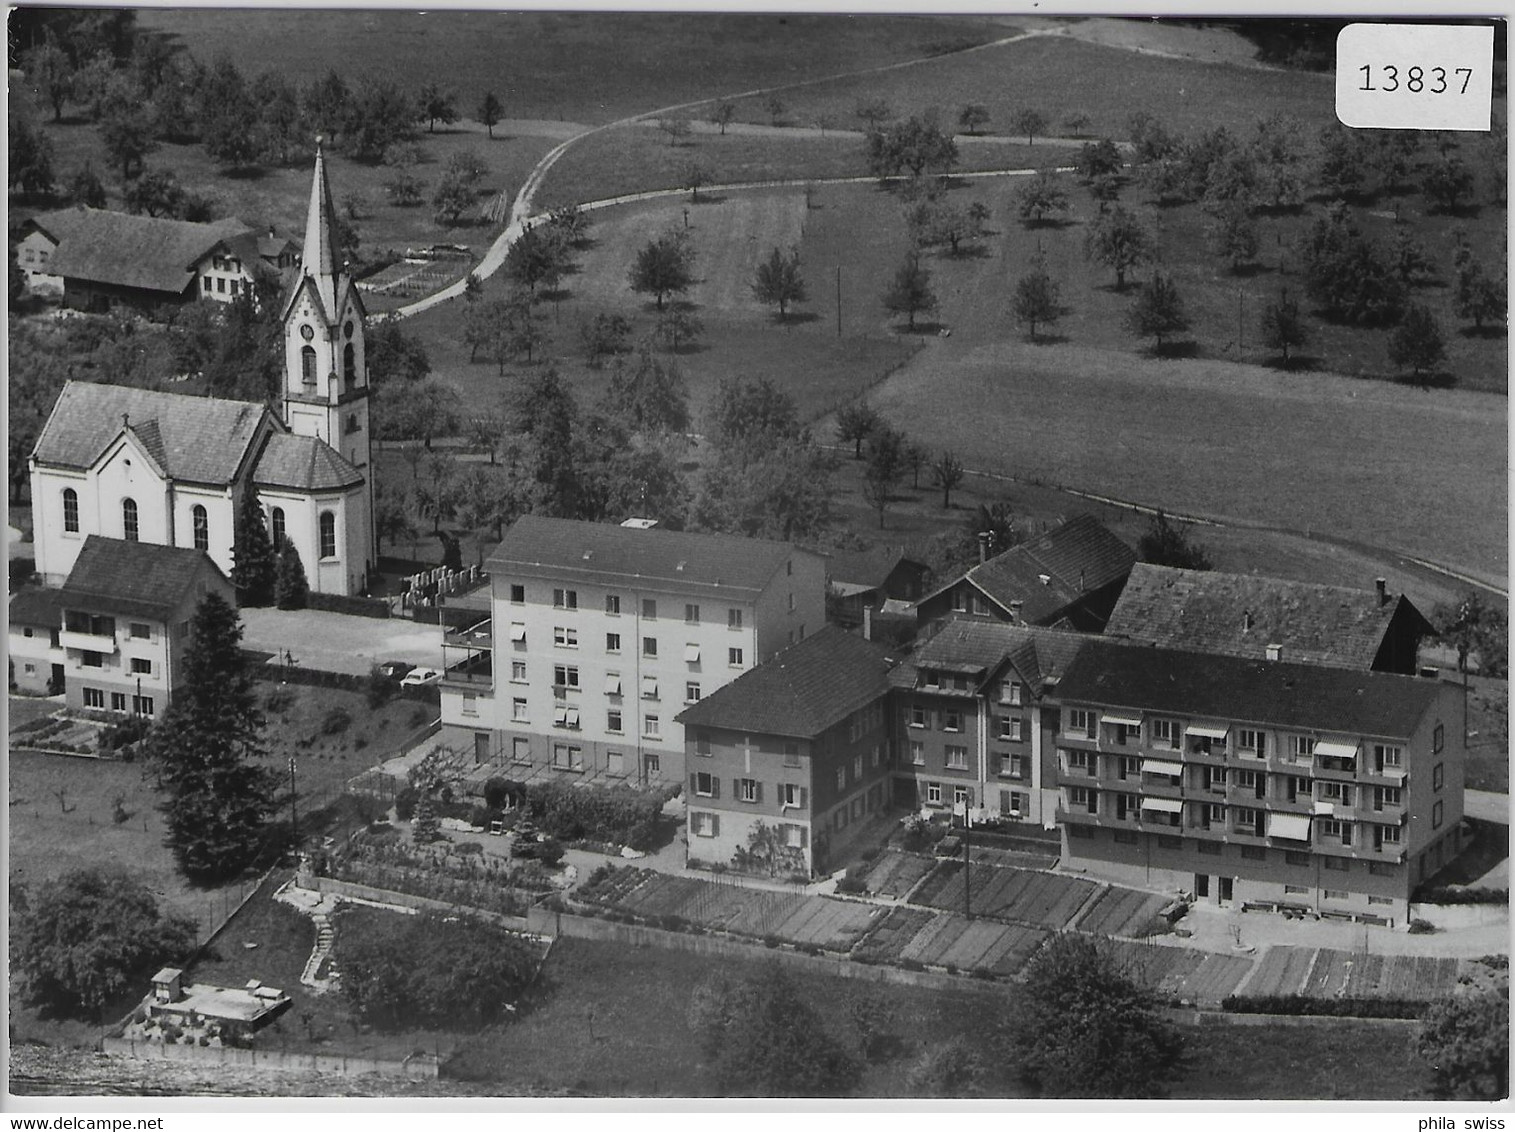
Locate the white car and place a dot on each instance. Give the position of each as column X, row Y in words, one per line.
column 417, row 677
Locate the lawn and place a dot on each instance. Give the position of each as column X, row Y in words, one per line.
column 579, row 66
column 1321, row 1061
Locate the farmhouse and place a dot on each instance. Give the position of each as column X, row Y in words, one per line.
column 141, row 465
column 126, row 611
column 1069, row 577
column 1257, row 781
column 601, row 633
column 868, row 578
column 1243, row 615
column 106, row 259
column 789, row 763
column 976, row 726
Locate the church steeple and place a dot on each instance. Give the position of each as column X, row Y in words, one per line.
column 318, row 258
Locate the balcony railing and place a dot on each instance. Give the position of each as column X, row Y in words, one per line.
column 89, row 642
column 474, row 673
column 479, row 635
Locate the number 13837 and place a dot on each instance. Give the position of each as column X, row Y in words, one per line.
column 1389, row 78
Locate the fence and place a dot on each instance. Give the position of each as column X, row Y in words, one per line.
column 406, row 900
column 417, row 1066
column 275, row 673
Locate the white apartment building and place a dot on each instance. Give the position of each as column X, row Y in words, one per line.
column 600, row 635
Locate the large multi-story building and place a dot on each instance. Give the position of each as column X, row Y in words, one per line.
column 975, row 727
column 1257, row 781
column 600, row 635
column 789, row 763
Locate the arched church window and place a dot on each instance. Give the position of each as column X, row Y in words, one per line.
column 201, row 522
column 129, row 519
column 308, row 364
column 278, row 524
column 349, row 365
column 328, row 535
column 348, row 329
column 70, row 510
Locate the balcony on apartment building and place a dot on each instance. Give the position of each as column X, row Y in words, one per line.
column 468, row 657
column 88, row 633
column 1162, row 779
column 1206, row 745
column 1335, row 760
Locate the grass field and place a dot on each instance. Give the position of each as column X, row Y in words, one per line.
column 580, row 66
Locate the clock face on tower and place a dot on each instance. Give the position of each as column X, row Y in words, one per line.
column 307, row 333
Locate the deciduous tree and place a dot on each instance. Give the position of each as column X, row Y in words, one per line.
column 1480, row 296
column 1030, row 122
column 491, row 110
column 1098, row 159
column 973, row 117
column 50, row 72
column 856, row 423
column 778, row 281
column 664, row 267
column 1348, row 274
column 1449, row 183
column 1466, row 1041
column 1118, row 240
column 1233, row 234
column 721, row 115
column 1283, row 326
column 127, row 133
column 1037, row 300
column 910, row 293
column 1165, row 544
column 1417, row 341
column 84, row 939
column 437, row 104
column 948, row 473
column 1040, row 195
column 649, row 395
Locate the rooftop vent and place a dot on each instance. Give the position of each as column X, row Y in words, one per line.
column 640, row 524
column 1274, row 652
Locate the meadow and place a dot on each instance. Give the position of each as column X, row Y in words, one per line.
column 576, row 66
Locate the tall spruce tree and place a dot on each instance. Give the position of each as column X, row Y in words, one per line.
column 253, row 560
column 290, row 587
column 207, row 750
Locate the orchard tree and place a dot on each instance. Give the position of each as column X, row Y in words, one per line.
column 1283, row 326
column 208, row 750
column 910, row 293
column 127, row 134
column 491, row 110
column 874, row 112
column 677, row 129
column 1475, row 626
column 1417, row 343
column 948, row 473
column 721, row 115
column 693, row 175
column 1233, row 234
column 1348, row 274
column 1167, row 545
column 1411, row 263
column 1037, row 300
column 453, row 197
column 973, row 117
column 1158, row 311
column 1098, row 159
column 664, row 267
column 775, row 107
column 84, row 939
column 1040, row 195
column 30, row 157
column 253, row 555
column 856, row 423
column 51, row 74
column 1029, row 122
column 650, row 395
column 1077, row 123
column 435, row 104
column 1449, row 183
column 535, row 258
column 1118, row 240
column 778, row 281
column 86, row 188
column 1085, row 1027
column 1340, row 166
column 1466, row 1041
column 1480, row 296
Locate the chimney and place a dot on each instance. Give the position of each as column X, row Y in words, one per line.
column 1383, row 591
column 1015, row 612
column 867, row 622
column 983, row 545
column 1246, row 621
column 1080, row 581
column 1275, row 652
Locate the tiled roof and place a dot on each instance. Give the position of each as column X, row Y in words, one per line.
column 1049, row 573
column 1276, row 693
column 199, row 439
column 304, row 462
column 604, row 552
column 147, row 252
column 133, row 578
column 870, row 568
column 35, row 605
column 802, row 690
column 1038, row 653
column 1208, row 612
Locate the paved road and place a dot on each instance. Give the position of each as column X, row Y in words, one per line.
column 1485, row 805
column 337, row 642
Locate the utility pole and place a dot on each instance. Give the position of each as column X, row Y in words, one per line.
column 838, row 300
column 967, row 863
column 294, row 817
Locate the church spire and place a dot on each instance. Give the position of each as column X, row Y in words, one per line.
column 318, row 258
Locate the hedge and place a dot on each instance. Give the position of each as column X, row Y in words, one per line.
column 1462, row 896
column 352, row 605
column 617, row 814
column 1327, row 1007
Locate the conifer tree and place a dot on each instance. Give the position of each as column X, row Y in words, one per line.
column 425, row 828
column 253, row 560
column 290, row 587
column 207, row 750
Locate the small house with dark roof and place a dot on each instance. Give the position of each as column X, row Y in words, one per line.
column 788, row 764
column 1258, row 782
column 36, row 655
column 976, row 724
column 233, row 265
column 1247, row 616
column 1069, row 578
column 108, row 259
column 601, row 634
column 149, row 466
column 125, row 615
column 866, row 579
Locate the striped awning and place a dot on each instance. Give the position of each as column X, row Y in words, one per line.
column 1205, row 731
column 1296, row 827
column 1163, row 805
column 1160, row 766
column 1122, row 720
column 1335, row 749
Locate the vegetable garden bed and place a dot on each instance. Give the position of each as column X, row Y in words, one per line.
column 1041, row 900
column 1120, row 912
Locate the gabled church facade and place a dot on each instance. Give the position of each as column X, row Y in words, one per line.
column 164, row 468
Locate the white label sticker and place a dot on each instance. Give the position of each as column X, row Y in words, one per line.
column 1415, row 76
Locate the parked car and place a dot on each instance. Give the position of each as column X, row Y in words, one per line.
column 417, row 677
column 395, row 669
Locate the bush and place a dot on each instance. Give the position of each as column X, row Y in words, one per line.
column 336, row 721
column 468, row 849
column 1421, row 927
column 379, row 689
column 128, row 731
column 279, row 701
column 1462, row 896
column 405, row 803
column 549, row 851
column 1325, row 1007
column 480, row 816
column 616, row 814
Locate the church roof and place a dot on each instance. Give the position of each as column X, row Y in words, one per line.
column 146, row 252
column 305, row 463
column 142, row 579
column 196, row 439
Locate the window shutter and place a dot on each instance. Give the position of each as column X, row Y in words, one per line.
column 804, row 837
column 759, row 787
column 715, row 786
column 804, row 795
column 715, row 822
column 694, row 780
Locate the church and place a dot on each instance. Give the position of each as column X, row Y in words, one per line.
column 165, row 468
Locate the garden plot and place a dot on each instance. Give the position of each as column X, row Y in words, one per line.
column 1199, row 977
column 1350, row 974
column 1014, row 858
column 1120, row 912
column 895, row 873
column 1283, row 970
column 885, row 942
column 1039, row 899
column 947, row 940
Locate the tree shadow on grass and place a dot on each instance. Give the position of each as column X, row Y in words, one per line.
column 923, row 329
column 1048, row 223
column 1167, row 351
column 795, row 318
column 1301, row 363
column 1248, row 270
column 555, row 294
column 245, row 173
column 965, row 250
column 1441, row 379
column 1044, row 339
column 1483, row 332
column 709, row 198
